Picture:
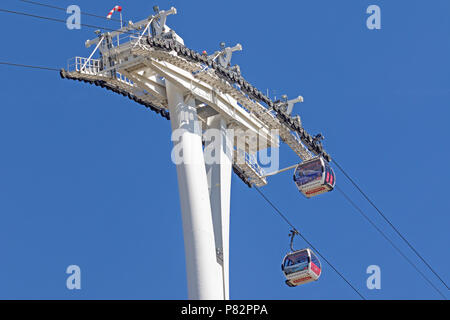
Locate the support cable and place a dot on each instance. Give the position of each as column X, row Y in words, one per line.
column 65, row 10
column 306, row 240
column 164, row 113
column 389, row 240
column 389, row 222
column 28, row 66
column 64, row 21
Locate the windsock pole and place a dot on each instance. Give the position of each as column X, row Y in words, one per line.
column 116, row 9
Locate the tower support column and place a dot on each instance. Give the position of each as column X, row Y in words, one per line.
column 203, row 279
column 218, row 158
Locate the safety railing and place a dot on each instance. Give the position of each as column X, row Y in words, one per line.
column 93, row 67
column 84, row 65
column 250, row 161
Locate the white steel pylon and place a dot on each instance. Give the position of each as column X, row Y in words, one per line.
column 204, row 282
column 149, row 63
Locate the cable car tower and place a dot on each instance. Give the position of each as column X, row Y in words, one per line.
column 148, row 62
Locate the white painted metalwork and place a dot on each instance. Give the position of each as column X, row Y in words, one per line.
column 167, row 81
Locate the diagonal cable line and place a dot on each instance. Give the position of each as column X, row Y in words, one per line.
column 27, row 66
column 390, row 223
column 50, row 18
column 306, row 240
column 389, row 240
column 65, row 10
column 64, row 21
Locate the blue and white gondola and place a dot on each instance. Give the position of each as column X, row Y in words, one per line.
column 314, row 177
column 301, row 267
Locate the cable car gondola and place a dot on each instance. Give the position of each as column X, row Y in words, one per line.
column 301, row 266
column 314, row 177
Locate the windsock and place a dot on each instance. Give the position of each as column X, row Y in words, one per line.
column 116, row 8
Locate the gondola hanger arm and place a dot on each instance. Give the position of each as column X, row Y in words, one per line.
column 292, row 234
column 280, row 171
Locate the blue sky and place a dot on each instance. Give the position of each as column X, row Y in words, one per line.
column 86, row 176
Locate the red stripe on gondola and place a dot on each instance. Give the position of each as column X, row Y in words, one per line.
column 314, row 190
column 315, row 269
column 302, row 279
